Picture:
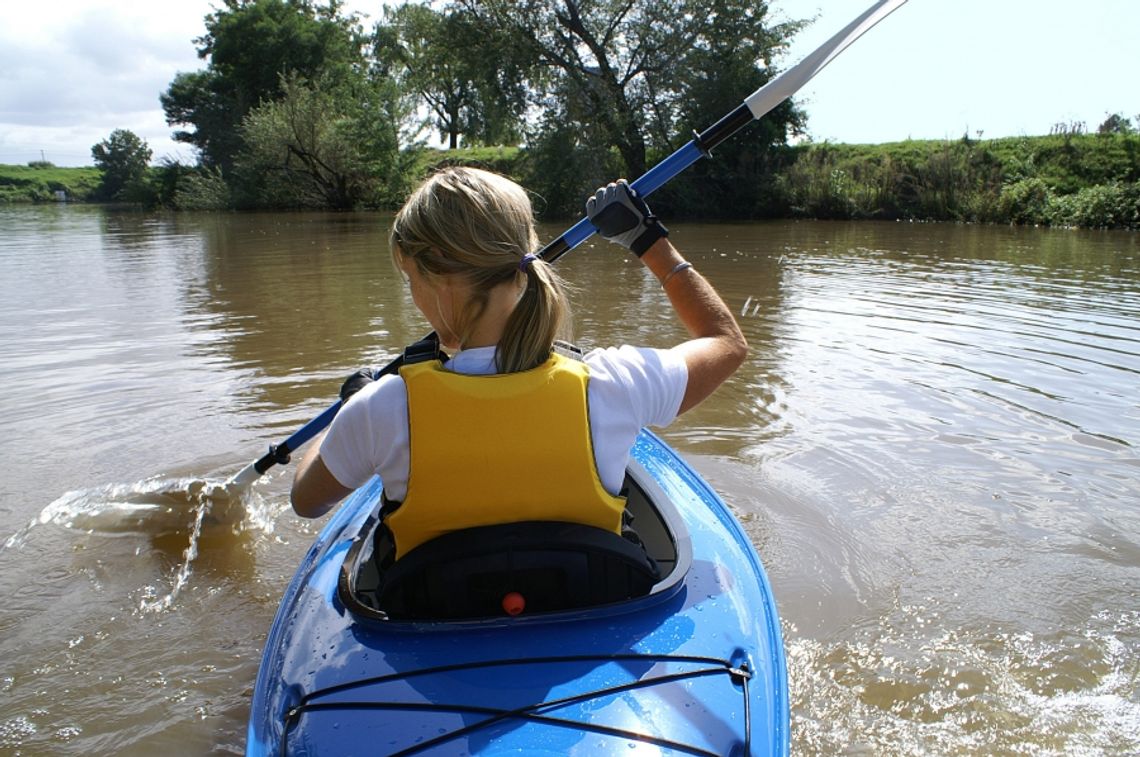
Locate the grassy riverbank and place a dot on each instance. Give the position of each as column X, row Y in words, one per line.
column 1070, row 180
column 1086, row 180
column 1077, row 180
column 39, row 183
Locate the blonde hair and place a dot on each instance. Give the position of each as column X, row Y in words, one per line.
column 479, row 225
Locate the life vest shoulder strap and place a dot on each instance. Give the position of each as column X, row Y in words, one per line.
column 423, row 350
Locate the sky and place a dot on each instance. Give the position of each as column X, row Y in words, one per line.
column 72, row 71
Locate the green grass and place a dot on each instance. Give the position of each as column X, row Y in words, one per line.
column 39, row 184
column 504, row 160
column 1063, row 179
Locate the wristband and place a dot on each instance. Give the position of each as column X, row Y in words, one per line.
column 654, row 230
column 684, row 265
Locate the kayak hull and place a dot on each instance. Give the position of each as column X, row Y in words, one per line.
column 696, row 667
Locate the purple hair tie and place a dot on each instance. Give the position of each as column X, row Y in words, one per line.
column 527, row 259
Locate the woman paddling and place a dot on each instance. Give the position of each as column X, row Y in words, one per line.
column 508, row 429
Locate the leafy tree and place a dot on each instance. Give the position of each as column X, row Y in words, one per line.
column 123, row 158
column 726, row 63
column 249, row 45
column 194, row 99
column 323, row 146
column 621, row 65
column 471, row 78
column 1117, row 123
column 601, row 49
column 562, row 163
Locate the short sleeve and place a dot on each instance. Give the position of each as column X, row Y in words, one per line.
column 367, row 432
column 630, row 388
column 651, row 381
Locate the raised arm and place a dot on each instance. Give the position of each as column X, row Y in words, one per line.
column 717, row 347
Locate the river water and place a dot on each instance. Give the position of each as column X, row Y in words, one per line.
column 933, row 444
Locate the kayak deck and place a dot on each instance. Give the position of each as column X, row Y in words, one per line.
column 453, row 703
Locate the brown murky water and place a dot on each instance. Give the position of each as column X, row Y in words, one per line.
column 934, row 445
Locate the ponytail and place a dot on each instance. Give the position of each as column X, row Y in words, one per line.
column 538, row 319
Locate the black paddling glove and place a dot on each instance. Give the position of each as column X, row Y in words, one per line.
column 356, row 382
column 620, row 215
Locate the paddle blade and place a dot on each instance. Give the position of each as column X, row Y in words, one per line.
column 152, row 507
column 243, row 479
column 788, row 83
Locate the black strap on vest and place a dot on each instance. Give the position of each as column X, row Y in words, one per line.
column 419, row 352
column 423, row 350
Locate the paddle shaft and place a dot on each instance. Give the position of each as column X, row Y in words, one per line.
column 754, row 107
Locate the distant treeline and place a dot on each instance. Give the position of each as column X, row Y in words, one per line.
column 1074, row 180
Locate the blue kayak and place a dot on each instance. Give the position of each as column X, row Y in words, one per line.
column 694, row 666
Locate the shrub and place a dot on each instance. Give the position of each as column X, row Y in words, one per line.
column 1026, row 201
column 123, row 158
column 818, row 187
column 202, row 190
column 1103, row 206
column 561, row 167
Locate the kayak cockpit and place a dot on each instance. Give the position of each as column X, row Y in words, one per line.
column 527, row 569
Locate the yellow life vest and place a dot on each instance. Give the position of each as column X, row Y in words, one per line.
column 501, row 448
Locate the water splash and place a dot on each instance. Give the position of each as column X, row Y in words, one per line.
column 167, row 511
column 912, row 685
column 152, row 507
column 182, row 575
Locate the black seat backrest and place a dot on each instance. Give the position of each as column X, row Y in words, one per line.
column 553, row 566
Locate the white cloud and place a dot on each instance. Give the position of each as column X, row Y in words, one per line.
column 72, row 71
column 77, row 72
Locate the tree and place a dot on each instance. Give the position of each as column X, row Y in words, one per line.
column 194, row 99
column 717, row 72
column 621, row 81
column 250, row 44
column 624, row 67
column 470, row 78
column 323, row 146
column 1117, row 123
column 123, row 158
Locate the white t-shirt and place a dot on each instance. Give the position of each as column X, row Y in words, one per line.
column 629, row 388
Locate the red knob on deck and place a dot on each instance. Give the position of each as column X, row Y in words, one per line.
column 513, row 603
